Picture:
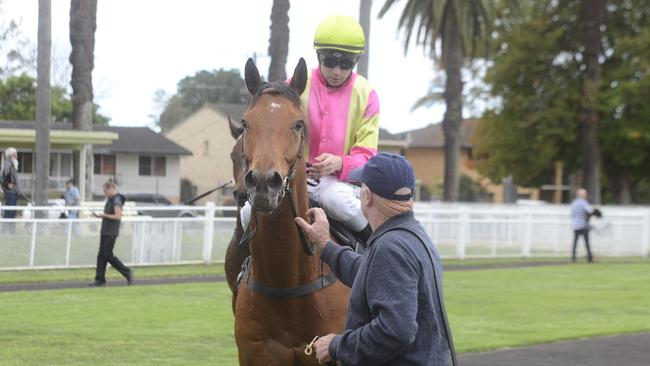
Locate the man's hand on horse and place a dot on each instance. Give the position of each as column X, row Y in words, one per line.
column 318, row 232
column 321, row 347
column 326, row 164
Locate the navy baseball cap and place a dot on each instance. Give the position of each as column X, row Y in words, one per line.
column 385, row 174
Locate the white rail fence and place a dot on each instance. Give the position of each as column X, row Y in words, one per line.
column 459, row 231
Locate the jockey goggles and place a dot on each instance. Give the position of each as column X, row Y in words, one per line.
column 334, row 59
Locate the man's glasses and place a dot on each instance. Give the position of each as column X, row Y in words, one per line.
column 332, row 62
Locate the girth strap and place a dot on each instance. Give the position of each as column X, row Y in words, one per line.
column 283, row 293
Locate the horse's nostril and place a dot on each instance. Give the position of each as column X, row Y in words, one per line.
column 275, row 183
column 249, row 180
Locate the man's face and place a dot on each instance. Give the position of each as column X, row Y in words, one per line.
column 68, row 185
column 336, row 67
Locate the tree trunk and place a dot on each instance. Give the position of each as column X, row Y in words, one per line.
column 452, row 55
column 592, row 12
column 279, row 40
column 43, row 103
column 83, row 23
column 365, row 7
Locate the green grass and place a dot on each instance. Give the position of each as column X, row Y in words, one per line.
column 55, row 275
column 147, row 325
column 516, row 307
column 192, row 324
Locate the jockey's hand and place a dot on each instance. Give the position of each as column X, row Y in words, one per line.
column 318, row 233
column 321, row 347
column 326, row 164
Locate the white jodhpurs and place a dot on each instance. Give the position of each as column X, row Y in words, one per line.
column 338, row 199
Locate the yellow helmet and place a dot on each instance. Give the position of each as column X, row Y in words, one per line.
column 339, row 32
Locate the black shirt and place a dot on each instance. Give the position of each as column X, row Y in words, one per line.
column 110, row 226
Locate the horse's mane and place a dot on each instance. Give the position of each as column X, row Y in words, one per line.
column 276, row 88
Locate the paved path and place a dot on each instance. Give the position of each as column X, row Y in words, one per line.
column 625, row 350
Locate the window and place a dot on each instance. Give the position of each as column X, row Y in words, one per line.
column 104, row 164
column 25, row 162
column 152, row 166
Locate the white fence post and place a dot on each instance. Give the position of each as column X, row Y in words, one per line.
column 67, row 246
column 462, row 236
column 528, row 235
column 142, row 237
column 32, row 251
column 208, row 232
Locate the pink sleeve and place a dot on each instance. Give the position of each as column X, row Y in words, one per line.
column 358, row 156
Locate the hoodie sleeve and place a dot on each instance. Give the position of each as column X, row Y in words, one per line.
column 392, row 291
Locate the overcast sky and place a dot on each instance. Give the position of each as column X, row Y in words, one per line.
column 145, row 45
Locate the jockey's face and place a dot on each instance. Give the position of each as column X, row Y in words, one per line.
column 336, row 66
column 335, row 76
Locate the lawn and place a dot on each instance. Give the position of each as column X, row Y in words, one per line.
column 192, row 324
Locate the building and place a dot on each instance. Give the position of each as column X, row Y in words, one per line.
column 206, row 133
column 424, row 148
column 137, row 158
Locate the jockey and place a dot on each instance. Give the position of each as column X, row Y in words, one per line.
column 342, row 110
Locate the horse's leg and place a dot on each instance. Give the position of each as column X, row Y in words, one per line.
column 234, row 259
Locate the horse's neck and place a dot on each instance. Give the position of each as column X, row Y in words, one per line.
column 278, row 256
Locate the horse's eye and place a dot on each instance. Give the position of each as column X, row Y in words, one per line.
column 243, row 124
column 299, row 126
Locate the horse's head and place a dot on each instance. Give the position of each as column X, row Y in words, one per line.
column 274, row 131
column 238, row 169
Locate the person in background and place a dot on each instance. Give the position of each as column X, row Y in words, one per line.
column 580, row 212
column 9, row 179
column 72, row 197
column 111, row 219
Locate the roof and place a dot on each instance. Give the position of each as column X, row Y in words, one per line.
column 130, row 139
column 432, row 135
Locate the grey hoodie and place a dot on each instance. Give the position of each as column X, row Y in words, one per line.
column 393, row 315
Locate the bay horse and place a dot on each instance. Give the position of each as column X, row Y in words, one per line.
column 286, row 295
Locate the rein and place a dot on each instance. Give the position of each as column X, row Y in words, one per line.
column 286, row 191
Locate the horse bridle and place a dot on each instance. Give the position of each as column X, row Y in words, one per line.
column 285, row 191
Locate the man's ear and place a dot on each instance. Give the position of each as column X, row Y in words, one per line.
column 368, row 195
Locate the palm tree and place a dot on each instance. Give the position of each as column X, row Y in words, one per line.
column 83, row 23
column 592, row 12
column 279, row 40
column 43, row 102
column 463, row 28
column 365, row 7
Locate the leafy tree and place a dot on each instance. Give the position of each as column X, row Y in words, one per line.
column 463, row 28
column 216, row 86
column 537, row 76
column 14, row 55
column 18, row 101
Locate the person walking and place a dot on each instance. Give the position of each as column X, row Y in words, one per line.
column 111, row 219
column 72, row 197
column 9, row 179
column 580, row 212
column 396, row 310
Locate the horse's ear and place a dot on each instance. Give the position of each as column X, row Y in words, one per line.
column 236, row 128
column 252, row 77
column 299, row 79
